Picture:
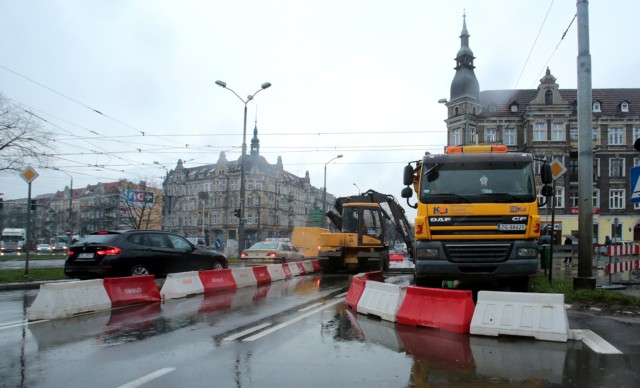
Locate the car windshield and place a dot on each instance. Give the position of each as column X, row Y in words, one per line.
column 265, row 245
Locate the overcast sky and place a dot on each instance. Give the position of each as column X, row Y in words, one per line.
column 357, row 78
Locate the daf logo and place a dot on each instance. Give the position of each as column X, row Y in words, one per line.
column 439, row 219
column 518, row 219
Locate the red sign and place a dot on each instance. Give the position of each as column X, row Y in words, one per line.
column 68, row 232
column 575, row 210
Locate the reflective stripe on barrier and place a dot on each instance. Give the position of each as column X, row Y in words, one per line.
column 275, row 272
column 381, row 299
column 287, row 271
column 624, row 266
column 180, row 285
column 316, row 265
column 132, row 290
column 623, row 250
column 217, row 279
column 308, row 266
column 301, row 268
column 60, row 300
column 244, row 277
column 541, row 316
column 355, row 291
column 449, row 310
column 293, row 267
column 262, row 274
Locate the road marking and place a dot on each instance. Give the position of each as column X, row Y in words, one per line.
column 248, row 331
column 310, row 307
column 341, row 295
column 145, row 379
column 595, row 342
column 9, row 325
column 292, row 321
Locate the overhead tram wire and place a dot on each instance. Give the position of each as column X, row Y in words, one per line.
column 544, row 68
column 534, row 44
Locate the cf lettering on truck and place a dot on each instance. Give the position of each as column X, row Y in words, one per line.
column 477, row 215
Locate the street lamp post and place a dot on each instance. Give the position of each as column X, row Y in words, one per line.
column 358, row 187
column 324, row 192
column 265, row 85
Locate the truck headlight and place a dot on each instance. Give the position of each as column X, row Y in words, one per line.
column 527, row 252
column 429, row 253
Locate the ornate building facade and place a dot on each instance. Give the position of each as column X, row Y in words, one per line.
column 544, row 122
column 201, row 201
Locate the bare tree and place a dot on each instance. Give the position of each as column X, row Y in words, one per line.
column 22, row 140
column 142, row 205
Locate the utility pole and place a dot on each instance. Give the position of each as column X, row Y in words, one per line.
column 585, row 277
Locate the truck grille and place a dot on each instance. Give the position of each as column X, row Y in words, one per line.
column 486, row 225
column 475, row 252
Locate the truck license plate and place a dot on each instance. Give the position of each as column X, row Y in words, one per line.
column 509, row 227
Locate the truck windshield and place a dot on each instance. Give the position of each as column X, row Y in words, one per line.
column 483, row 182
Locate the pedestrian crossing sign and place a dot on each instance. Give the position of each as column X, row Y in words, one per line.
column 635, row 184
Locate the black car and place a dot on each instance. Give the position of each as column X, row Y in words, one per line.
column 137, row 252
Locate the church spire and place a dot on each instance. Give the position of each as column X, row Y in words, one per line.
column 255, row 143
column 465, row 83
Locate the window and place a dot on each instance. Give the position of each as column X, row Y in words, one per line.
column 616, row 167
column 573, row 198
column 573, row 134
column 624, row 107
column 615, row 136
column 557, row 132
column 456, row 137
column 596, row 197
column 539, row 132
column 635, row 133
column 596, row 106
column 596, row 168
column 509, row 136
column 514, row 107
column 455, row 112
column 490, row 135
column 595, row 136
column 559, row 197
column 616, row 198
column 548, row 97
column 471, row 135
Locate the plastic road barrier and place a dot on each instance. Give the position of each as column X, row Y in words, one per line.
column 355, row 292
column 623, row 266
column 293, row 267
column 541, row 316
column 275, row 272
column 301, row 268
column 132, row 290
column 262, row 274
column 381, row 299
column 287, row 271
column 449, row 310
column 60, row 300
column 244, row 277
column 180, row 285
column 316, row 265
column 217, row 280
column 308, row 266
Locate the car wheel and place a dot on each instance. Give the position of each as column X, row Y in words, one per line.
column 140, row 270
column 217, row 265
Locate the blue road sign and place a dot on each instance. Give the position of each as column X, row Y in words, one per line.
column 635, row 184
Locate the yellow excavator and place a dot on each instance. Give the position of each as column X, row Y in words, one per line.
column 365, row 222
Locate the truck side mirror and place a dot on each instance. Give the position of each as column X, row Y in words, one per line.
column 407, row 178
column 407, row 192
column 545, row 174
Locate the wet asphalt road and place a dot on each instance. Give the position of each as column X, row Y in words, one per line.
column 291, row 333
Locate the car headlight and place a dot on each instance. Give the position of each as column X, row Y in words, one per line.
column 527, row 252
column 429, row 253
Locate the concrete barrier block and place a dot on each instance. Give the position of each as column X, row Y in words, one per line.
column 276, row 272
column 180, row 285
column 61, row 300
column 381, row 299
column 244, row 277
column 541, row 316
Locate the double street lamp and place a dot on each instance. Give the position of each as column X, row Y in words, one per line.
column 324, row 192
column 265, row 85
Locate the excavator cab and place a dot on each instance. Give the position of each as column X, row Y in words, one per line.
column 366, row 220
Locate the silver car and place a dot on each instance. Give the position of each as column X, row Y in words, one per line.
column 271, row 252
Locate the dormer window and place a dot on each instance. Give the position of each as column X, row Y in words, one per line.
column 624, row 107
column 548, row 97
column 514, row 107
column 596, row 107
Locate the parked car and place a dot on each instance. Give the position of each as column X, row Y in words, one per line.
column 271, row 252
column 43, row 248
column 137, row 252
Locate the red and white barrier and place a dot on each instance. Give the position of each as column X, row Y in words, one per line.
column 449, row 310
column 381, row 299
column 623, row 266
column 623, row 250
column 316, row 265
column 308, row 266
column 262, row 274
column 217, row 280
column 61, row 300
column 244, row 277
column 276, row 272
column 356, row 288
column 180, row 285
column 293, row 267
column 287, row 271
column 132, row 290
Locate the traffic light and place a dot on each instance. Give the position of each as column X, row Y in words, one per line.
column 236, row 213
column 33, row 204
